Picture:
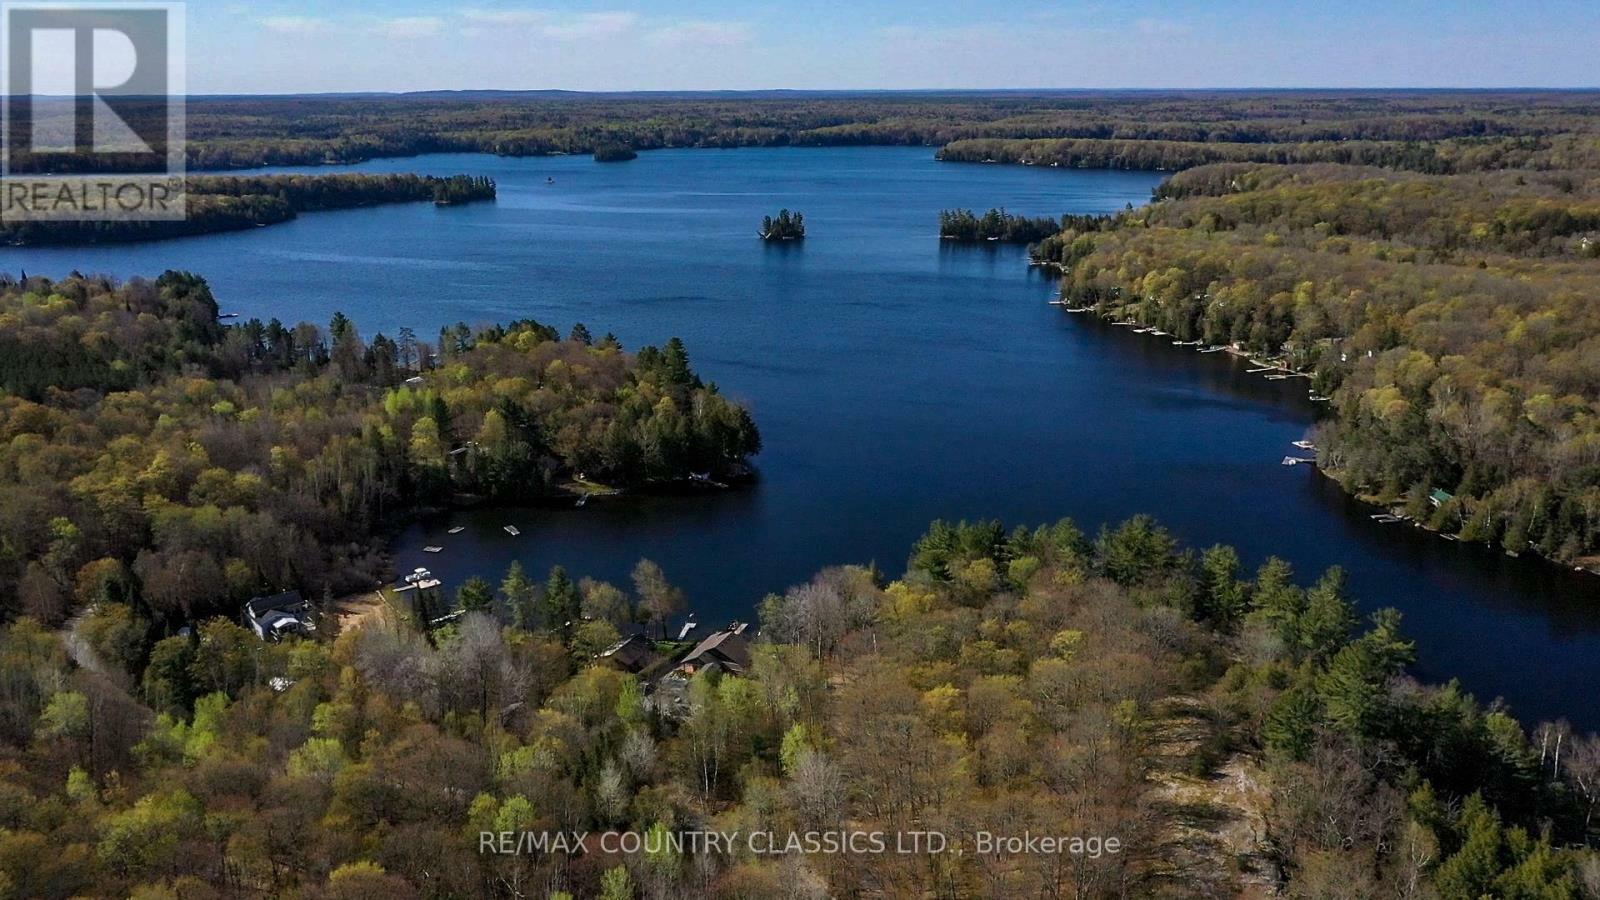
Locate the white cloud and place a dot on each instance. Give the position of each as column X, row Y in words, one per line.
column 295, row 24
column 556, row 26
column 590, row 25
column 508, row 17
column 410, row 26
column 702, row 34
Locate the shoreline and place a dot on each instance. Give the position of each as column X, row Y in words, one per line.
column 1586, row 565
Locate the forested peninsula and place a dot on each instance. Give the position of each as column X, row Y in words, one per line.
column 1450, row 319
column 998, row 225
column 1181, row 728
column 219, row 203
column 148, row 452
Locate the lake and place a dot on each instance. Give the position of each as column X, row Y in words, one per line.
column 896, row 379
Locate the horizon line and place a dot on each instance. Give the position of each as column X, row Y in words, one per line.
column 1502, row 89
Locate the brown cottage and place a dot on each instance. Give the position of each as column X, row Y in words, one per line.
column 631, row 654
column 727, row 649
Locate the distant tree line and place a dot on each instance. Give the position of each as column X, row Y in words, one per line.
column 1161, row 155
column 228, row 203
column 249, row 132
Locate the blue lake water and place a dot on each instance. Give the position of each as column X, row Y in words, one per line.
column 896, row 379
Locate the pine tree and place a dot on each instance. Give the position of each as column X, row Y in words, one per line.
column 1278, row 602
column 1328, row 618
column 1291, row 726
column 519, row 593
column 475, row 595
column 1222, row 599
column 561, row 602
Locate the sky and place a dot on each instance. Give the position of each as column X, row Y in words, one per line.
column 294, row 46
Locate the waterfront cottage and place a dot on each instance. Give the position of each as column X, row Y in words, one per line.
column 632, row 654
column 271, row 618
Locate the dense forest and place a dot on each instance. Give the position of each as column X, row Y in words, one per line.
column 997, row 225
column 1473, row 154
column 229, row 203
column 1448, row 317
column 150, row 454
column 614, row 153
column 1200, row 732
column 246, row 132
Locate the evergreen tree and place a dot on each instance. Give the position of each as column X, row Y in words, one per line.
column 475, row 595
column 1277, row 602
column 561, row 601
column 1328, row 618
column 1291, row 725
column 520, row 597
column 1222, row 594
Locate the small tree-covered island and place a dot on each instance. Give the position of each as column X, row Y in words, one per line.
column 786, row 227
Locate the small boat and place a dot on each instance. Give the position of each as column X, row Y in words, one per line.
column 1319, row 398
column 1296, row 460
column 1213, row 349
column 432, row 549
column 1276, row 377
column 512, row 530
column 549, row 181
column 1304, row 445
column 581, row 501
column 1159, row 333
column 457, row 530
